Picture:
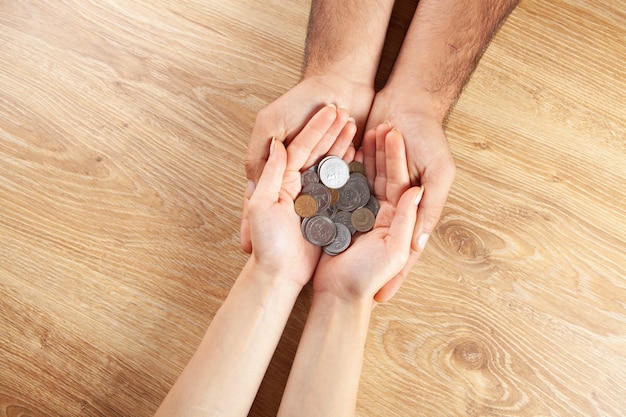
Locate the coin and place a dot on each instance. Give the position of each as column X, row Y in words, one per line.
column 345, row 218
column 341, row 242
column 349, row 198
column 329, row 212
column 363, row 219
column 356, row 166
column 320, row 230
column 309, row 176
column 373, row 205
column 321, row 194
column 334, row 196
column 359, row 182
column 333, row 172
column 330, row 216
column 305, row 205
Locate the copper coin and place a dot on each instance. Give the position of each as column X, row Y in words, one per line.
column 356, row 166
column 305, row 205
column 334, row 196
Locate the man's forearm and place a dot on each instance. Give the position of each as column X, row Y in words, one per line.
column 346, row 37
column 443, row 45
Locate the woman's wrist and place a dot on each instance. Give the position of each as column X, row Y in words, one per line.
column 352, row 305
column 271, row 277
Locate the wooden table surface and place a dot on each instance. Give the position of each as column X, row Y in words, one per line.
column 123, row 126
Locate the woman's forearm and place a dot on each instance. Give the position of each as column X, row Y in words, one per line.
column 325, row 375
column 225, row 372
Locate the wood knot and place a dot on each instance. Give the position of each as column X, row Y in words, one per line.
column 463, row 240
column 470, row 354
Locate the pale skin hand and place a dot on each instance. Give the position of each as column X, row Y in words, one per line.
column 325, row 375
column 330, row 130
column 225, row 372
column 344, row 43
column 377, row 256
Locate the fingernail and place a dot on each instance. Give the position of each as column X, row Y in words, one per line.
column 331, row 105
column 388, row 123
column 422, row 240
column 419, row 196
column 351, row 120
column 343, row 107
column 272, row 144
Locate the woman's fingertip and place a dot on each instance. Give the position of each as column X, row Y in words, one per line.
column 422, row 240
column 419, row 196
column 272, row 144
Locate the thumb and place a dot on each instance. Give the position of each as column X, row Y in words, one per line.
column 437, row 183
column 244, row 231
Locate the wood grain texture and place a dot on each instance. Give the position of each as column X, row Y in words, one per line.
column 123, row 126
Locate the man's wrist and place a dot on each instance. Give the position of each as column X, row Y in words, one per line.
column 400, row 97
column 351, row 70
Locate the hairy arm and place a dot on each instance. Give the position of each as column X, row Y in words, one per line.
column 346, row 37
column 444, row 43
column 343, row 47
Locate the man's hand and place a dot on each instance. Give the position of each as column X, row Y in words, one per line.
column 429, row 158
column 284, row 118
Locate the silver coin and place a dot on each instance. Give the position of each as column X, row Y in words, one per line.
column 320, row 193
column 320, row 230
column 329, row 212
column 309, row 177
column 359, row 181
column 341, row 241
column 349, row 197
column 303, row 226
column 373, row 205
column 345, row 218
column 333, row 172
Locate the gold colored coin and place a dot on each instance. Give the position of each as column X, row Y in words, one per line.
column 334, row 196
column 363, row 219
column 305, row 205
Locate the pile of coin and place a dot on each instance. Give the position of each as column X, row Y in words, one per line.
column 335, row 202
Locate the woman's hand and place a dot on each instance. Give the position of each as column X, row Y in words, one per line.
column 270, row 225
column 376, row 257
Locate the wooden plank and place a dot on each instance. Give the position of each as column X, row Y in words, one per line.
column 122, row 132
